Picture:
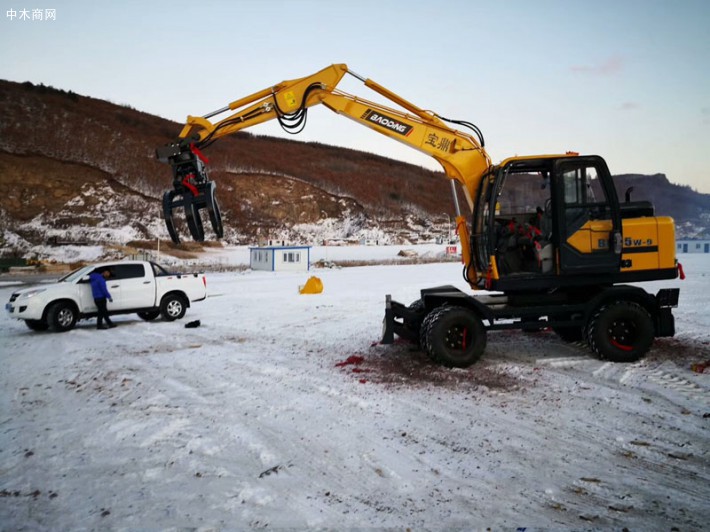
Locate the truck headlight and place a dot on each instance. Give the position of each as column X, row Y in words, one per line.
column 33, row 293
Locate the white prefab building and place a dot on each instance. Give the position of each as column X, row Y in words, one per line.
column 280, row 258
column 693, row 246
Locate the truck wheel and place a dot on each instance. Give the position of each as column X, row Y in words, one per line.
column 621, row 331
column 149, row 315
column 172, row 307
column 453, row 336
column 61, row 317
column 37, row 325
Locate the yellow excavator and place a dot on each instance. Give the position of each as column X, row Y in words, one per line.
column 549, row 244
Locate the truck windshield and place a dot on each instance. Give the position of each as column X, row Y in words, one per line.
column 76, row 274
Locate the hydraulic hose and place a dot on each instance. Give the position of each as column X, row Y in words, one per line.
column 295, row 121
column 469, row 125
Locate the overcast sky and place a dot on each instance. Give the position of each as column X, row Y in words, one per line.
column 625, row 79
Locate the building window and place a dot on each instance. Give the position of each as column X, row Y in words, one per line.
column 292, row 256
column 261, row 256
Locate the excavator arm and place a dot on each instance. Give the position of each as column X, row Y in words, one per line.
column 461, row 155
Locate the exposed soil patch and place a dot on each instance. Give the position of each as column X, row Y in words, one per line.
column 404, row 365
column 684, row 352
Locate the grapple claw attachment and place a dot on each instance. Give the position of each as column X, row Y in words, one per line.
column 192, row 191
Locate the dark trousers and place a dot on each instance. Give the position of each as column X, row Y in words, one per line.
column 103, row 313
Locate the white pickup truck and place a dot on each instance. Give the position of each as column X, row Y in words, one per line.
column 135, row 286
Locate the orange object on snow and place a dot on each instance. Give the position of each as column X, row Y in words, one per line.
column 313, row 286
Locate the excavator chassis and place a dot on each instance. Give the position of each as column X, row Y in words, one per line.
column 619, row 323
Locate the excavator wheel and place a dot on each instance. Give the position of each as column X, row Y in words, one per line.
column 213, row 210
column 192, row 217
column 168, row 215
column 453, row 336
column 413, row 326
column 621, row 331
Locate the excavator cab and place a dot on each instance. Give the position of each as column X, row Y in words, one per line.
column 547, row 222
column 192, row 190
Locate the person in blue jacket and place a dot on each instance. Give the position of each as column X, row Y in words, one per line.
column 100, row 293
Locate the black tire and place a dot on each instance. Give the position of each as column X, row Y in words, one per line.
column 453, row 336
column 61, row 316
column 173, row 307
column 37, row 325
column 423, row 333
column 422, row 336
column 621, row 331
column 149, row 315
column 413, row 326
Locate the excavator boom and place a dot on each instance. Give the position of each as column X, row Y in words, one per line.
column 461, row 155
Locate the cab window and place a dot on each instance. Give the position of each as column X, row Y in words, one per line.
column 127, row 271
column 583, row 196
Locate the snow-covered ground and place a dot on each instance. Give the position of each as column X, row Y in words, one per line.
column 265, row 417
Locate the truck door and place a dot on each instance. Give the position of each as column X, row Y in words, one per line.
column 135, row 287
column 84, row 293
column 588, row 223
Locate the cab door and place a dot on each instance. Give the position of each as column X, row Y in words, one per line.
column 587, row 221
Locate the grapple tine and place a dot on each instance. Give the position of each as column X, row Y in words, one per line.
column 168, row 215
column 192, row 216
column 213, row 209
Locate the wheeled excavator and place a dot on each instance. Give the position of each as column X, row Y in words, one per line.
column 550, row 244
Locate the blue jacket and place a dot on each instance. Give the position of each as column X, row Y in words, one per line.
column 98, row 286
